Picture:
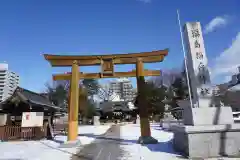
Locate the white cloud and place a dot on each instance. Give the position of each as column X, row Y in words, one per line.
column 145, row 1
column 217, row 22
column 228, row 61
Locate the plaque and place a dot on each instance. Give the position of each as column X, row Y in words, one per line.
column 107, row 67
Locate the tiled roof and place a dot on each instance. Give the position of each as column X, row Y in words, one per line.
column 32, row 97
column 111, row 106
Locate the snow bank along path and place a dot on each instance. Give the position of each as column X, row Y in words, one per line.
column 163, row 150
column 45, row 149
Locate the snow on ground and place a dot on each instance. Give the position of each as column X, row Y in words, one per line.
column 163, row 150
column 45, row 149
column 86, row 133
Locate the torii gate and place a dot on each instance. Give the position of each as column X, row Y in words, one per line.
column 107, row 63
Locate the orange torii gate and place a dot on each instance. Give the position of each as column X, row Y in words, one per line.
column 107, row 63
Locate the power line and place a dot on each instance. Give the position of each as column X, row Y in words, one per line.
column 185, row 60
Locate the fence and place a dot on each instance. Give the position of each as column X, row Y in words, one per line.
column 21, row 133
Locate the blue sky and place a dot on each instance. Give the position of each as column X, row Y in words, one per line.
column 29, row 28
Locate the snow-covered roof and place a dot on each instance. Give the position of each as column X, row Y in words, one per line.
column 120, row 80
column 131, row 105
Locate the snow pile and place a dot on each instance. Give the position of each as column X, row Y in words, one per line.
column 95, row 130
column 45, row 149
column 35, row 150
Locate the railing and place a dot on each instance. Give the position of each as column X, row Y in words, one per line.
column 21, row 133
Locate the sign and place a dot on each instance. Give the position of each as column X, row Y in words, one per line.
column 3, row 119
column 32, row 119
column 197, row 63
column 107, row 66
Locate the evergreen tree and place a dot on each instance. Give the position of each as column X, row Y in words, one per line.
column 180, row 92
column 92, row 87
column 57, row 95
column 154, row 96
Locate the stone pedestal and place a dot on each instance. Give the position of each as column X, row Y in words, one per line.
column 207, row 132
column 205, row 141
column 207, row 115
column 96, row 120
column 168, row 121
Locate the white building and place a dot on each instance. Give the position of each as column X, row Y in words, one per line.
column 8, row 82
column 123, row 87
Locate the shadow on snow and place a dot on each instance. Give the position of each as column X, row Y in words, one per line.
column 108, row 138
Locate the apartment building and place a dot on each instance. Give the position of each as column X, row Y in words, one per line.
column 8, row 81
column 123, row 87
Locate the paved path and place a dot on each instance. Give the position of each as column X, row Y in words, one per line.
column 103, row 148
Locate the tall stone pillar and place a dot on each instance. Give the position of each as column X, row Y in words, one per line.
column 208, row 131
column 200, row 82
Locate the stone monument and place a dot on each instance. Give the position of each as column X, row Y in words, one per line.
column 207, row 131
column 96, row 120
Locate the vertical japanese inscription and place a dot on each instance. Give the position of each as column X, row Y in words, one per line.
column 195, row 32
column 195, row 35
column 199, row 55
column 197, row 44
column 201, row 66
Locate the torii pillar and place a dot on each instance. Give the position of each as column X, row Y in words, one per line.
column 73, row 103
column 145, row 137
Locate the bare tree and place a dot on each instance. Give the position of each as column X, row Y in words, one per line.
column 105, row 93
column 64, row 83
column 57, row 94
column 166, row 78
